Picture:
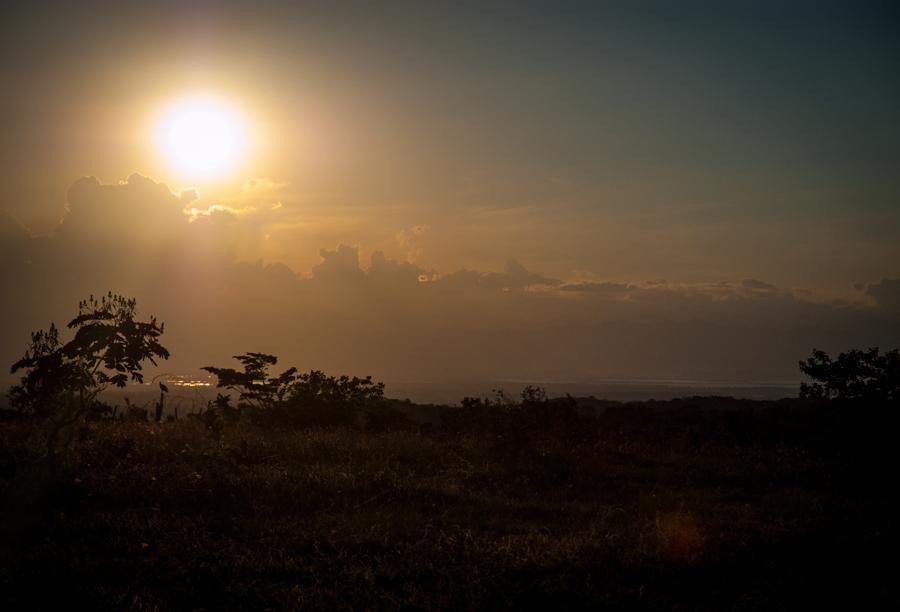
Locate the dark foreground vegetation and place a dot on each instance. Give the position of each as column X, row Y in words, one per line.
column 301, row 490
column 693, row 504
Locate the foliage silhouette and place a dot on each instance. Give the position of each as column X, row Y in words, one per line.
column 528, row 433
column 311, row 398
column 63, row 380
column 700, row 502
column 256, row 388
column 854, row 375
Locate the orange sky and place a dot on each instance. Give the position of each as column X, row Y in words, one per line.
column 719, row 168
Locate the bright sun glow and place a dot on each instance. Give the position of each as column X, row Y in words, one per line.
column 202, row 137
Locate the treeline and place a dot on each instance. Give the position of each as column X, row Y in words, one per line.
column 62, row 383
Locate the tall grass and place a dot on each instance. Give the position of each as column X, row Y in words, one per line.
column 680, row 506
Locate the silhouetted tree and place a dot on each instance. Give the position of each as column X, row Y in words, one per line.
column 309, row 398
column 535, row 420
column 62, row 380
column 853, row 375
column 534, row 395
column 315, row 387
column 255, row 387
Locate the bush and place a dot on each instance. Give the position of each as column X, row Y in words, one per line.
column 312, row 398
column 63, row 380
column 535, row 421
column 854, row 375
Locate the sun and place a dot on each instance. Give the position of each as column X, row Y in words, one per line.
column 202, row 137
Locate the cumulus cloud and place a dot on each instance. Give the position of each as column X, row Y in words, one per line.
column 411, row 241
column 341, row 264
column 216, row 209
column 137, row 208
column 397, row 320
column 886, row 293
column 389, row 271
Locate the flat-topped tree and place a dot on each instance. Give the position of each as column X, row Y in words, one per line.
column 256, row 388
column 62, row 380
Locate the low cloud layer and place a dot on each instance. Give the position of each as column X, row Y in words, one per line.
column 886, row 293
column 396, row 320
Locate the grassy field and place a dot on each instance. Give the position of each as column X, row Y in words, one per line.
column 687, row 505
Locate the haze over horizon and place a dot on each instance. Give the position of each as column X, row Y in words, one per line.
column 533, row 191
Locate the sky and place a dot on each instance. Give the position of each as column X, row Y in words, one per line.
column 466, row 190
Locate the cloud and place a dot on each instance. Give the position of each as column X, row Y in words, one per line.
column 757, row 285
column 396, row 319
column 263, row 186
column 137, row 208
column 188, row 195
column 514, row 277
column 14, row 242
column 341, row 264
column 517, row 276
column 758, row 288
column 604, row 288
column 393, row 272
column 11, row 230
column 886, row 293
column 410, row 241
column 217, row 209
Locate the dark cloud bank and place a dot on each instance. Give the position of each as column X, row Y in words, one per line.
column 399, row 322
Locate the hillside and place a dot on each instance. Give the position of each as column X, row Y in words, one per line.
column 697, row 504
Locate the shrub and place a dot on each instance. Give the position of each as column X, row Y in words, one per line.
column 63, row 380
column 854, row 375
column 312, row 398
